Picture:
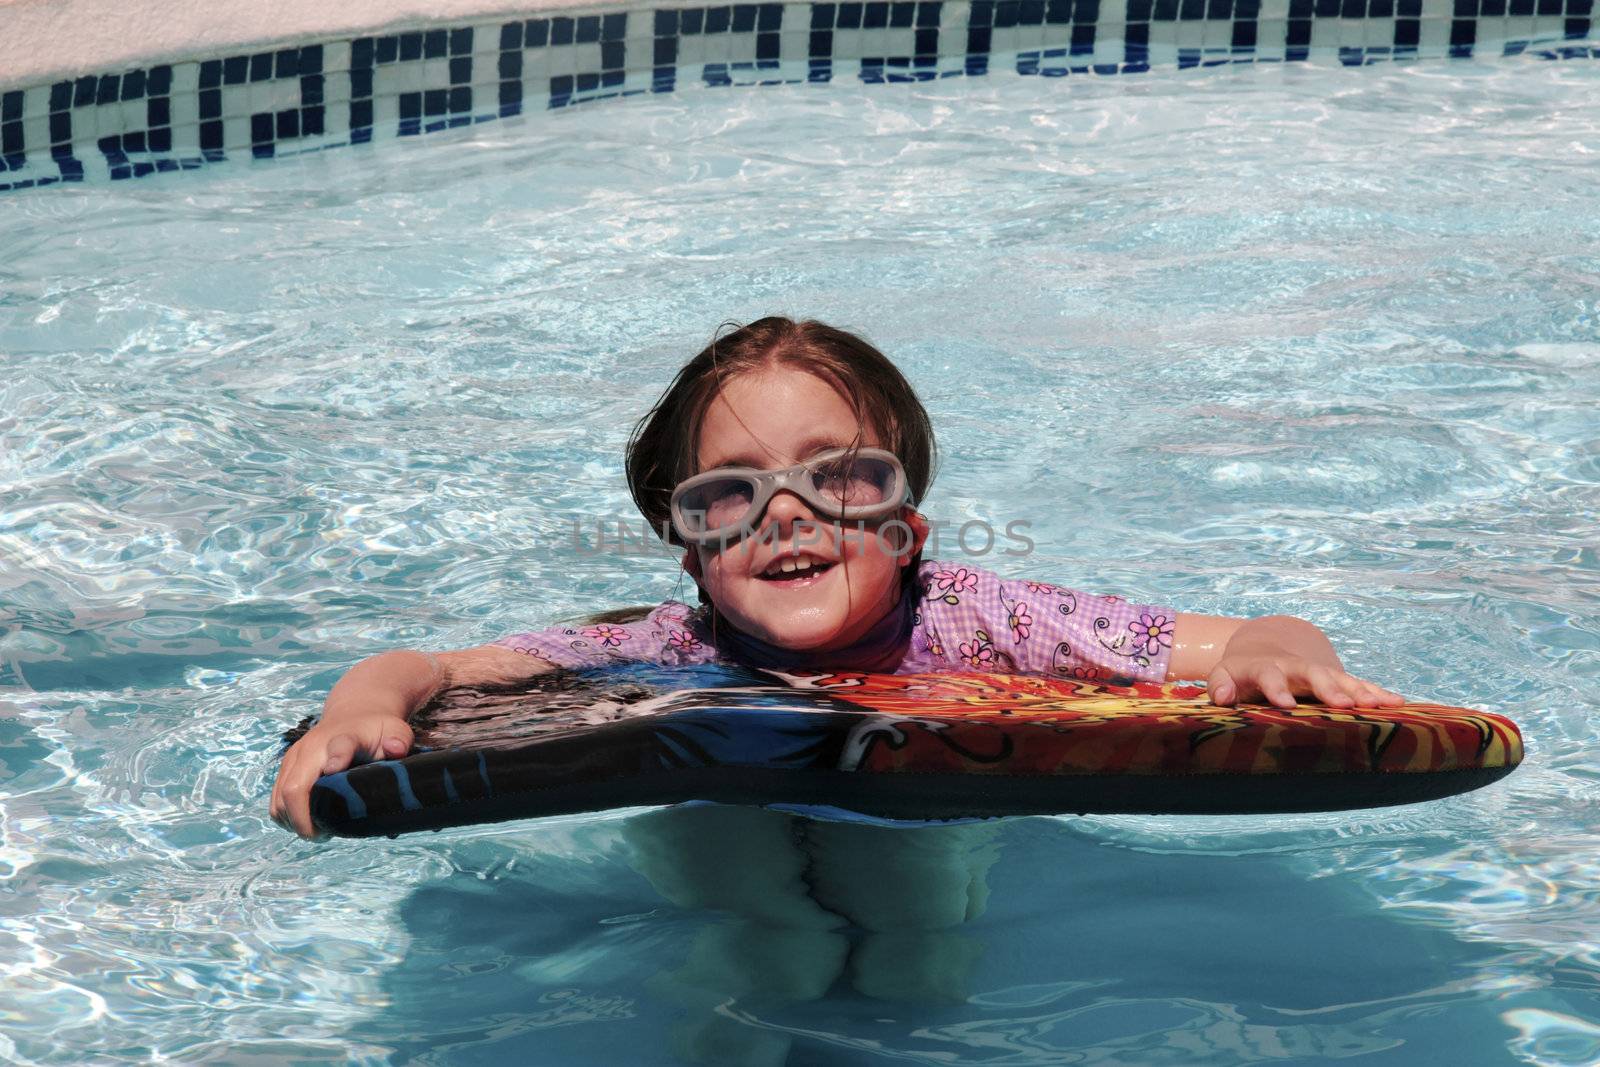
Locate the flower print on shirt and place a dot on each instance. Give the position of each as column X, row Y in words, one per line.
column 950, row 583
column 1066, row 665
column 979, row 652
column 1019, row 620
column 929, row 638
column 981, row 655
column 609, row 636
column 1124, row 644
column 1152, row 631
column 682, row 640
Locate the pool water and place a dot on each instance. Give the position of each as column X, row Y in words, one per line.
column 1273, row 339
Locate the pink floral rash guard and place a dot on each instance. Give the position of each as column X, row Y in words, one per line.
column 965, row 619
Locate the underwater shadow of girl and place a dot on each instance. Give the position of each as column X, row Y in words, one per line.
column 809, row 903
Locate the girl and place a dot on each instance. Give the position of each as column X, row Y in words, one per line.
column 786, row 460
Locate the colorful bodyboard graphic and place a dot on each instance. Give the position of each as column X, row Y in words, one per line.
column 909, row 747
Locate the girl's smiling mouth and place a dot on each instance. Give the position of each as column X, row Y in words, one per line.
column 795, row 571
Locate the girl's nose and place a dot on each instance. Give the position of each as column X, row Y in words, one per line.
column 786, row 508
column 797, row 526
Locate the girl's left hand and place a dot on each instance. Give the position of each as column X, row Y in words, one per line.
column 1279, row 679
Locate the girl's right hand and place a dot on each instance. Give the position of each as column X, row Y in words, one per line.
column 365, row 715
column 327, row 749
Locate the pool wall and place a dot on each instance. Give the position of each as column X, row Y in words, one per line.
column 109, row 110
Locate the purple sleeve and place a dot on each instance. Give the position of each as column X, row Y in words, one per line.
column 669, row 635
column 980, row 621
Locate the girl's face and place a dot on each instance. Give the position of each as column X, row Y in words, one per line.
column 777, row 417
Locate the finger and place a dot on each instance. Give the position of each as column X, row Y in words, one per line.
column 397, row 738
column 1332, row 688
column 1374, row 696
column 1387, row 696
column 293, row 793
column 340, row 752
column 1383, row 698
column 1275, row 687
column 299, row 806
column 277, row 805
column 1221, row 688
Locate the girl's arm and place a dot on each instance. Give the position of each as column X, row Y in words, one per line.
column 366, row 715
column 1276, row 657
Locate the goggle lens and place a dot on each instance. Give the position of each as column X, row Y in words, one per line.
column 719, row 504
column 859, row 483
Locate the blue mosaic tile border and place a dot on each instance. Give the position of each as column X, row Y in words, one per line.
column 180, row 116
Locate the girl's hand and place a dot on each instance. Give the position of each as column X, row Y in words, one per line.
column 326, row 749
column 365, row 715
column 1279, row 679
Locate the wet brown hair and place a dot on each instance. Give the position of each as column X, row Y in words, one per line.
column 662, row 448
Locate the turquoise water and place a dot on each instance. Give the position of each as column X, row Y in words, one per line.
column 1301, row 339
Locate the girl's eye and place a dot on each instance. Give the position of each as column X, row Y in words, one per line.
column 828, row 473
column 845, row 482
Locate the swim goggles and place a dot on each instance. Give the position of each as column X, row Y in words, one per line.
column 723, row 505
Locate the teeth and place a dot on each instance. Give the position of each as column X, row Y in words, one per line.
column 790, row 565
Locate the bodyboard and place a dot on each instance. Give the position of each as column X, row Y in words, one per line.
column 929, row 747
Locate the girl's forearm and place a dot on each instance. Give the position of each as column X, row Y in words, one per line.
column 394, row 683
column 1283, row 635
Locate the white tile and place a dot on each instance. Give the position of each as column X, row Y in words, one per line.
column 336, row 88
column 235, row 100
column 273, row 95
column 385, row 116
column 335, row 57
column 1325, row 36
column 486, row 36
column 1030, row 38
column 1376, row 33
column 435, row 73
column 795, row 47
column 1271, row 35
column 185, row 139
column 185, row 78
column 1109, row 49
column 1163, row 48
column 1434, row 39
column 1218, row 36
column 398, row 77
column 1518, row 28
column 36, row 135
column 846, row 44
column 235, row 134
